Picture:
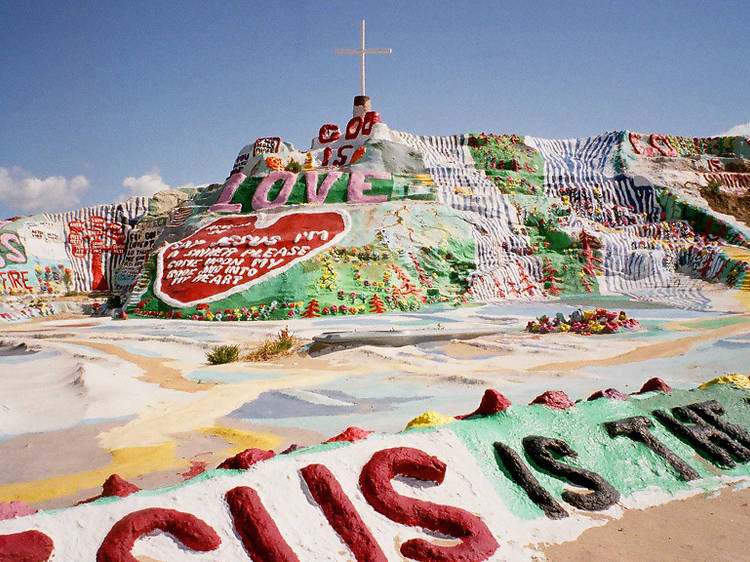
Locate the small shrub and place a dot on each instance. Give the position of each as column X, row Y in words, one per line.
column 223, row 354
column 284, row 343
column 713, row 188
column 293, row 166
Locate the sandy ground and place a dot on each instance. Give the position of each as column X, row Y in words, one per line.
column 154, row 369
column 703, row 527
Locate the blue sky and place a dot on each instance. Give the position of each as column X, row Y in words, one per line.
column 103, row 99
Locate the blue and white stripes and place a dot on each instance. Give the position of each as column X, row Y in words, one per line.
column 126, row 214
column 577, row 168
column 500, row 273
column 623, row 214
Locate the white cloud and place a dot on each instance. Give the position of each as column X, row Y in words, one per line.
column 149, row 184
column 738, row 131
column 20, row 190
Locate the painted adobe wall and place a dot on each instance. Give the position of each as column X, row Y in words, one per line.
column 74, row 251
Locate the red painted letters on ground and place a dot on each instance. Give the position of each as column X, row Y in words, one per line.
column 356, row 126
column 341, row 514
column 186, row 528
column 477, row 542
column 260, row 535
column 13, row 280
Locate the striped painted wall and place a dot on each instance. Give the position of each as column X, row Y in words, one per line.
column 500, row 272
column 125, row 214
column 626, row 218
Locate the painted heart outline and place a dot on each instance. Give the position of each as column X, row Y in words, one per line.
column 234, row 252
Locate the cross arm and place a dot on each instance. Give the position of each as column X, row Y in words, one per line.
column 359, row 51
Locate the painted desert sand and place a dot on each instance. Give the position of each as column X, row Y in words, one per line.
column 138, row 399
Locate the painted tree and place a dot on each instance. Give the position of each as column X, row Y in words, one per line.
column 95, row 237
column 376, row 304
column 513, row 288
column 526, row 283
column 423, row 277
column 551, row 278
column 592, row 263
column 312, row 309
column 586, row 283
column 407, row 287
column 589, row 244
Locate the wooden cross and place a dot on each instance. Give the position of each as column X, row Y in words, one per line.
column 362, row 52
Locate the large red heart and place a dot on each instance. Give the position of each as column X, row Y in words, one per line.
column 235, row 252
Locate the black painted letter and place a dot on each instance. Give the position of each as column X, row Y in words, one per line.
column 637, row 429
column 522, row 476
column 711, row 410
column 712, row 442
column 540, row 450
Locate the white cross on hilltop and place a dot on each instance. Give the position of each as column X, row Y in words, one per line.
column 362, row 52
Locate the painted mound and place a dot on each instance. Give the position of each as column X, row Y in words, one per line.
column 492, row 486
column 372, row 220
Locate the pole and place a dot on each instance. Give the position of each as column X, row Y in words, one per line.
column 362, row 60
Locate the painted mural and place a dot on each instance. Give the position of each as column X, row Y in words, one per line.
column 461, row 219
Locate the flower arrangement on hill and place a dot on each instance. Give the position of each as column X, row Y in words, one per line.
column 584, row 322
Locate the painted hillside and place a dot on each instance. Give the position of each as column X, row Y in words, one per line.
column 372, row 220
